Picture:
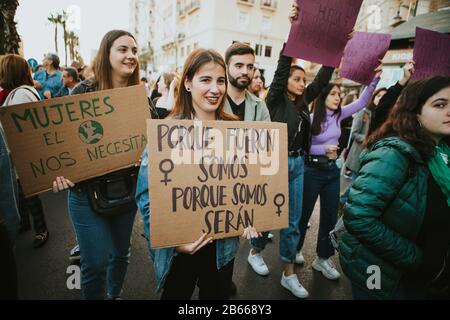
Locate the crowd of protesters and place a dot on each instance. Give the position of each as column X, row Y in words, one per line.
column 394, row 212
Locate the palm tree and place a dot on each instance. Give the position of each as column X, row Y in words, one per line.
column 63, row 21
column 55, row 20
column 9, row 38
column 74, row 51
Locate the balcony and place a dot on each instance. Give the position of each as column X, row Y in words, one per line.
column 249, row 3
column 192, row 6
column 270, row 5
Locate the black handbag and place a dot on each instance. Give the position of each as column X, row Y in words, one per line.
column 113, row 194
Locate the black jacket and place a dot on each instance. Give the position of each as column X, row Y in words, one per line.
column 381, row 112
column 282, row 109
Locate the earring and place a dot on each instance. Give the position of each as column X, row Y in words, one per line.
column 188, row 89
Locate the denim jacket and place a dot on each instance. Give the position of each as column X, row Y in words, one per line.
column 9, row 214
column 226, row 249
column 52, row 83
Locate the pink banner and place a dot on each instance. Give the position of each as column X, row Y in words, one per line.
column 431, row 54
column 321, row 31
column 361, row 56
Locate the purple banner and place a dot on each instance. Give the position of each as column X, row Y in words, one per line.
column 431, row 54
column 361, row 56
column 321, row 31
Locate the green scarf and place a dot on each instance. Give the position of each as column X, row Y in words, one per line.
column 439, row 167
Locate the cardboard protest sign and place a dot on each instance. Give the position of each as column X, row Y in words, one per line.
column 361, row 56
column 321, row 31
column 78, row 137
column 431, row 54
column 215, row 176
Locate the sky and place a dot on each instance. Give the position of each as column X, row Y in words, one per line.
column 96, row 18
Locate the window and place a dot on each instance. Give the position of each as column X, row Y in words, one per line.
column 268, row 52
column 266, row 23
column 196, row 45
column 182, row 52
column 258, row 49
column 244, row 20
column 188, row 49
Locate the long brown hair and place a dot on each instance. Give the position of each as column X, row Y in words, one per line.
column 14, row 72
column 102, row 66
column 403, row 122
column 196, row 59
column 320, row 109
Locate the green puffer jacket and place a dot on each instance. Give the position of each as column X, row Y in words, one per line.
column 384, row 215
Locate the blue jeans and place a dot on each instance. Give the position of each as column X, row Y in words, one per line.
column 326, row 184
column 343, row 199
column 104, row 247
column 290, row 236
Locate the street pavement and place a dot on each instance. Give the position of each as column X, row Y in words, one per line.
column 43, row 274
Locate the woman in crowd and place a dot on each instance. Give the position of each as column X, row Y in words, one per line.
column 207, row 262
column 15, row 76
column 287, row 101
column 256, row 87
column 385, row 100
column 397, row 212
column 104, row 241
column 168, row 88
column 321, row 172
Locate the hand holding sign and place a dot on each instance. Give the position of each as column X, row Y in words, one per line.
column 192, row 248
column 408, row 71
column 251, row 233
column 62, row 184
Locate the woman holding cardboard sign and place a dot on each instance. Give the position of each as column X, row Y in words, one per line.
column 207, row 262
column 103, row 229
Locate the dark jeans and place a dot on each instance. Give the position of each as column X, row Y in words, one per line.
column 31, row 206
column 8, row 271
column 189, row 270
column 323, row 182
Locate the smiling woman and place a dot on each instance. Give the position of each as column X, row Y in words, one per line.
column 104, row 230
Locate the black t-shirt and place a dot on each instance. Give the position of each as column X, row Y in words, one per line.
column 434, row 239
column 238, row 109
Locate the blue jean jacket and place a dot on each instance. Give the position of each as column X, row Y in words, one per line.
column 226, row 249
column 52, row 83
column 9, row 213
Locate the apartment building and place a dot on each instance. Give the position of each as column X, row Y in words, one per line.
column 181, row 26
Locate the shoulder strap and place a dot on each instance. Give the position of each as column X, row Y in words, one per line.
column 34, row 93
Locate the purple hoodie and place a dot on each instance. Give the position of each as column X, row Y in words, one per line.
column 331, row 129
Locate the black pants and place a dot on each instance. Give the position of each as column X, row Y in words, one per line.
column 8, row 271
column 31, row 206
column 188, row 270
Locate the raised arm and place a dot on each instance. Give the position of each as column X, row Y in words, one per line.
column 321, row 80
column 359, row 104
column 388, row 101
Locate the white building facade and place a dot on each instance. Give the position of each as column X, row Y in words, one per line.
column 180, row 26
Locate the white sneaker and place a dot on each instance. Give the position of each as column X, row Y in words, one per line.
column 258, row 264
column 293, row 285
column 299, row 259
column 326, row 266
column 270, row 236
